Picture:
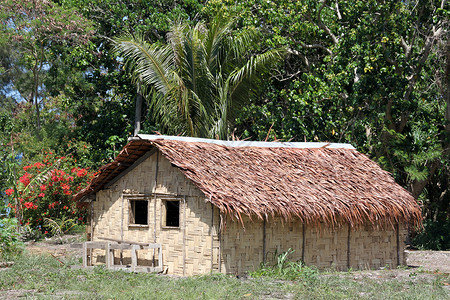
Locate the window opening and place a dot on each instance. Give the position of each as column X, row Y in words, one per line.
column 139, row 212
column 172, row 217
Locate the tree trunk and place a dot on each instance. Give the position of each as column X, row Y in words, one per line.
column 137, row 115
column 446, row 85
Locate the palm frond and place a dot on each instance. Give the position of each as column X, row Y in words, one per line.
column 217, row 42
column 149, row 64
column 254, row 65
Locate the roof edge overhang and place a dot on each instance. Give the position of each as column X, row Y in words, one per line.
column 258, row 144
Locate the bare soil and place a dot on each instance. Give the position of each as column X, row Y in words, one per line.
column 57, row 247
column 429, row 260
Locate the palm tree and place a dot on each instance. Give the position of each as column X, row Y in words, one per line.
column 197, row 80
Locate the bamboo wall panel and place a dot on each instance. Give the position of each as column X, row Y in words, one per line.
column 192, row 242
column 242, row 249
column 325, row 248
column 377, row 248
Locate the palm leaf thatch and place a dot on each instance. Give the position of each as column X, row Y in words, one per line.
column 329, row 185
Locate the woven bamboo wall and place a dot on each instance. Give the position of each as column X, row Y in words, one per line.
column 187, row 250
column 194, row 247
column 241, row 250
column 325, row 248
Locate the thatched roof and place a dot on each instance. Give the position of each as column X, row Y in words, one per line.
column 331, row 183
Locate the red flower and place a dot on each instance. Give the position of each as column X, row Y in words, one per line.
column 65, row 186
column 81, row 172
column 28, row 204
column 65, row 207
column 26, row 168
column 9, row 192
column 39, row 165
column 25, row 179
column 41, row 195
column 43, row 187
column 67, row 192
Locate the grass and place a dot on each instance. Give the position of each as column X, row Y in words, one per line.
column 44, row 277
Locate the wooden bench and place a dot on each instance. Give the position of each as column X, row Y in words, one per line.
column 109, row 245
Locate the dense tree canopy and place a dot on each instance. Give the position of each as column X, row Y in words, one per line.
column 197, row 81
column 373, row 73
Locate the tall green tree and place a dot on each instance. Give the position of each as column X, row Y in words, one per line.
column 200, row 77
column 107, row 93
column 33, row 29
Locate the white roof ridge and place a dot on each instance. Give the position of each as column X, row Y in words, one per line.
column 243, row 143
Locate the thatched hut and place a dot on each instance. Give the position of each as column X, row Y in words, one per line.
column 227, row 206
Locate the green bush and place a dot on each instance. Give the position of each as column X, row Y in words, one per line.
column 44, row 191
column 10, row 243
column 283, row 268
column 434, row 236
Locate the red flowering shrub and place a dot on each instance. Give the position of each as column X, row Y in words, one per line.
column 46, row 189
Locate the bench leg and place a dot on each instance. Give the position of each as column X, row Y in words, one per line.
column 85, row 262
column 160, row 265
column 133, row 258
column 108, row 255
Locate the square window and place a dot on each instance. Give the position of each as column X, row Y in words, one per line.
column 139, row 212
column 171, row 213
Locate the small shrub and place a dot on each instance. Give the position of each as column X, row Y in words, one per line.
column 45, row 190
column 283, row 268
column 435, row 235
column 10, row 243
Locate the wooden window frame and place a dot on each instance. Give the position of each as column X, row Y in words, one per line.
column 164, row 213
column 131, row 212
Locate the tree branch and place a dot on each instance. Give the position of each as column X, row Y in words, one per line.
column 323, row 26
column 406, row 47
column 312, row 46
column 305, row 59
column 338, row 13
column 398, row 70
column 416, row 187
column 425, row 53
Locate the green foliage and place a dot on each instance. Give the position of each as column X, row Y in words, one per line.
column 104, row 101
column 198, row 80
column 36, row 30
column 58, row 227
column 283, row 268
column 365, row 73
column 10, row 243
column 434, row 236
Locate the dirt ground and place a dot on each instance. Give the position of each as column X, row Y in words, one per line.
column 429, row 260
column 57, row 247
